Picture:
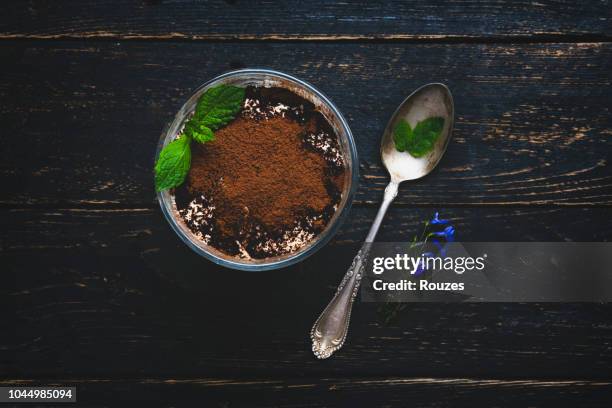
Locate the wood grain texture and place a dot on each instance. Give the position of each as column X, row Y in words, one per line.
column 99, row 292
column 533, row 122
column 120, row 320
column 114, row 293
column 120, row 230
column 326, row 392
column 299, row 20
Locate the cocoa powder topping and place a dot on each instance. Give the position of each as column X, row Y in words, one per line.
column 269, row 182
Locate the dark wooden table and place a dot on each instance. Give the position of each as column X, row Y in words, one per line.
column 99, row 292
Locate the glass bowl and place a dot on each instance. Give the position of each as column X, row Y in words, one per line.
column 266, row 78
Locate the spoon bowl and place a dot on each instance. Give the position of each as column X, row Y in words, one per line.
column 431, row 100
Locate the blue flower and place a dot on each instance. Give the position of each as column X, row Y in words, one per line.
column 436, row 219
column 448, row 234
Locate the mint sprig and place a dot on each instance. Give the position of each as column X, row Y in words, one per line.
column 216, row 108
column 173, row 164
column 198, row 131
column 420, row 140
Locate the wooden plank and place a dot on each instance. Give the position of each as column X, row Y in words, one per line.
column 388, row 392
column 118, row 231
column 298, row 20
column 81, row 121
column 114, row 293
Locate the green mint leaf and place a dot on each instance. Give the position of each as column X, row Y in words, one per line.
column 199, row 132
column 401, row 135
column 425, row 134
column 218, row 106
column 420, row 140
column 173, row 164
column 215, row 108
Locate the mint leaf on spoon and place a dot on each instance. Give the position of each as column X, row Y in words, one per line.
column 425, row 134
column 420, row 140
column 401, row 135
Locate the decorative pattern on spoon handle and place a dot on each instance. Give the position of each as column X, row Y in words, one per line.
column 329, row 331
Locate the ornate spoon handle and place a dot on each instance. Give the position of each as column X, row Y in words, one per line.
column 329, row 331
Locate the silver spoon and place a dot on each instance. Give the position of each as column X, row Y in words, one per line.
column 329, row 331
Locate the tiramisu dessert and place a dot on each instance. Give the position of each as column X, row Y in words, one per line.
column 267, row 182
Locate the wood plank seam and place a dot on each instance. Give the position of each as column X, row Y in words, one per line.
column 443, row 39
